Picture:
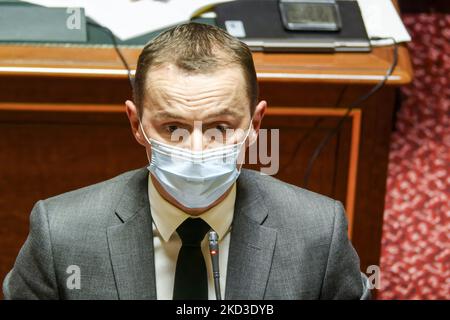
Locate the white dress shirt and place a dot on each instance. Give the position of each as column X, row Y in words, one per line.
column 166, row 219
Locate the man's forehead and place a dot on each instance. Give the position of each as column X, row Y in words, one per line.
column 168, row 74
column 171, row 91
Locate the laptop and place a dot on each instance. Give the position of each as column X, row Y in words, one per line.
column 259, row 24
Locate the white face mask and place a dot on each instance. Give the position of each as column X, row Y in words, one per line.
column 196, row 179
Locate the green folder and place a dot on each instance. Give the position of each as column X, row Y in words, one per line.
column 27, row 23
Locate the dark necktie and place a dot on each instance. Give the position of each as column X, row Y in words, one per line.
column 191, row 281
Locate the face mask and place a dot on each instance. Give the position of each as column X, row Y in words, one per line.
column 196, row 179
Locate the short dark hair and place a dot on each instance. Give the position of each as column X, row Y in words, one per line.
column 195, row 48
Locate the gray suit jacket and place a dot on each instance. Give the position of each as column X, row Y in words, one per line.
column 286, row 243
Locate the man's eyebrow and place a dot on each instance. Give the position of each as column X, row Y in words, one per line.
column 225, row 112
column 163, row 115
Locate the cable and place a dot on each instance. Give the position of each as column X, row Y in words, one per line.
column 312, row 129
column 336, row 129
column 116, row 48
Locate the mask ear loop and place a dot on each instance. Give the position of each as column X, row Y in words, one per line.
column 241, row 162
column 250, row 127
column 255, row 136
column 143, row 132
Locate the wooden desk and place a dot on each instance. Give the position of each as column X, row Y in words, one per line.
column 63, row 126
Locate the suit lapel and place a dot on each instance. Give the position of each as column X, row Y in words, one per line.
column 131, row 242
column 252, row 245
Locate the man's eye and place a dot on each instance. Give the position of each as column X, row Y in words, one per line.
column 171, row 128
column 222, row 128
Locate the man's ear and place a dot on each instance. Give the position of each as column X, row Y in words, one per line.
column 258, row 115
column 133, row 117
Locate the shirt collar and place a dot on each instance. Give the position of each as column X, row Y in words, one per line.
column 167, row 217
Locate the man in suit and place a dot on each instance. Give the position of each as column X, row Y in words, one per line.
column 143, row 234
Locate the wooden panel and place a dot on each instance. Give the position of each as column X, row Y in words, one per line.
column 101, row 63
column 45, row 154
column 345, row 151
